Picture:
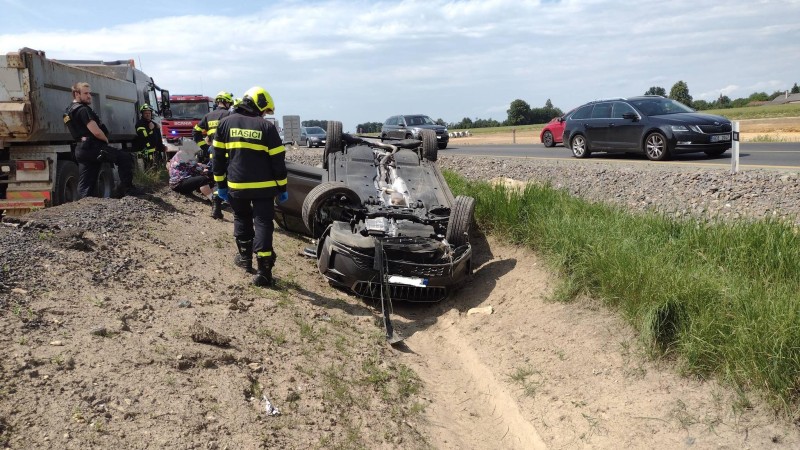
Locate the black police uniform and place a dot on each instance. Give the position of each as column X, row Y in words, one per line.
column 249, row 161
column 207, row 127
column 149, row 142
column 91, row 152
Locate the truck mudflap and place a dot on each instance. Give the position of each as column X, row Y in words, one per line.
column 20, row 202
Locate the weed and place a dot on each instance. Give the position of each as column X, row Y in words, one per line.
column 721, row 296
column 767, row 138
column 170, row 381
column 23, row 340
column 306, row 330
column 408, row 383
column 520, row 377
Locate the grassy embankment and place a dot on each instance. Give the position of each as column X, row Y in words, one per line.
column 744, row 113
column 721, row 298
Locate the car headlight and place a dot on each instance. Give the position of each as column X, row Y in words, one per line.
column 695, row 128
column 679, row 128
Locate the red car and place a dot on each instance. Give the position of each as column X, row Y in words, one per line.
column 553, row 131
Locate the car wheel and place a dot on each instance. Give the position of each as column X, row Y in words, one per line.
column 308, row 143
column 580, row 148
column 460, row 222
column 715, row 153
column 430, row 149
column 547, row 139
column 66, row 188
column 105, row 182
column 327, row 202
column 334, row 142
column 655, row 147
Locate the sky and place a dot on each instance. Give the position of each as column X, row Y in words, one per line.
column 362, row 61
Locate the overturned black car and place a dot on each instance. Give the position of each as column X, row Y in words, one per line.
column 386, row 224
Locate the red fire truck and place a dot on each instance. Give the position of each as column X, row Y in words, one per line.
column 187, row 111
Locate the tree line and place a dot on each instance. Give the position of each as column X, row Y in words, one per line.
column 520, row 112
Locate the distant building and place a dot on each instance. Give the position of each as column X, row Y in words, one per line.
column 786, row 98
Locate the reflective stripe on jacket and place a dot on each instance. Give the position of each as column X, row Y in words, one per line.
column 252, row 164
column 208, row 126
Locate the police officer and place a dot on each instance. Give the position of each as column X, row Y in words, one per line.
column 249, row 161
column 148, row 138
column 203, row 134
column 92, row 148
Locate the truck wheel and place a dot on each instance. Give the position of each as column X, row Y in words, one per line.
column 66, row 188
column 327, row 202
column 430, row 148
column 105, row 182
column 333, row 143
column 460, row 222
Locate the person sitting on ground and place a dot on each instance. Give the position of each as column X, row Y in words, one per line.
column 186, row 176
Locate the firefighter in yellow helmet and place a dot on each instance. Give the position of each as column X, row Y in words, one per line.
column 203, row 135
column 148, row 140
column 250, row 171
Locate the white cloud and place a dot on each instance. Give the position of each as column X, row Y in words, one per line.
column 361, row 61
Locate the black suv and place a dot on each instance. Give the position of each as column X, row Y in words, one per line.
column 656, row 126
column 408, row 126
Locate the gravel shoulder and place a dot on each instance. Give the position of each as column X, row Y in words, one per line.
column 102, row 304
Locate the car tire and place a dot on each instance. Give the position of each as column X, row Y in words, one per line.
column 430, row 148
column 334, row 142
column 655, row 147
column 579, row 146
column 318, row 206
column 460, row 222
column 66, row 188
column 308, row 143
column 715, row 153
column 547, row 139
column 105, row 182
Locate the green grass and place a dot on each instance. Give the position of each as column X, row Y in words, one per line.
column 152, row 177
column 758, row 112
column 723, row 298
column 743, row 113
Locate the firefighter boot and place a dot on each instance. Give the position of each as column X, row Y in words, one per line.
column 245, row 257
column 264, row 276
column 216, row 208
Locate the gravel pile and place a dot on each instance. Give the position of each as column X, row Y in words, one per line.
column 706, row 194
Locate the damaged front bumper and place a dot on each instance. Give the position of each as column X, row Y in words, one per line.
column 417, row 269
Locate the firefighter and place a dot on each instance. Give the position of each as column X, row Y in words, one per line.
column 204, row 134
column 92, row 148
column 148, row 139
column 249, row 161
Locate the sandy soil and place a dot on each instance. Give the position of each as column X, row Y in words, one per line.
column 97, row 351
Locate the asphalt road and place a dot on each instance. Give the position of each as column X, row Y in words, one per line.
column 784, row 156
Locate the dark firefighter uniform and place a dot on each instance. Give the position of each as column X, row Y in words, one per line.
column 91, row 153
column 249, row 162
column 207, row 127
column 148, row 141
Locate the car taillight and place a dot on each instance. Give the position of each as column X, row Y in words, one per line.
column 31, row 165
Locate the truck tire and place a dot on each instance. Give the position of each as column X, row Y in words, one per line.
column 333, row 143
column 460, row 223
column 105, row 182
column 430, row 148
column 66, row 187
column 327, row 202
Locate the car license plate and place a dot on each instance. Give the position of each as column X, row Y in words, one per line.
column 408, row 281
column 721, row 138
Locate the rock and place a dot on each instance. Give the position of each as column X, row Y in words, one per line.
column 184, row 304
column 486, row 310
column 99, row 331
column 56, row 343
column 255, row 367
column 205, row 335
column 19, row 291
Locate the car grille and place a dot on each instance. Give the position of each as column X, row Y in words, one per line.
column 404, row 269
column 369, row 289
column 723, row 128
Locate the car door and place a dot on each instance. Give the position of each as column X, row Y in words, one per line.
column 597, row 126
column 390, row 127
column 625, row 127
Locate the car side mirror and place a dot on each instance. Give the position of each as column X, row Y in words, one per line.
column 561, row 119
column 630, row 115
column 402, row 125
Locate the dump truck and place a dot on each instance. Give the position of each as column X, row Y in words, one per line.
column 37, row 153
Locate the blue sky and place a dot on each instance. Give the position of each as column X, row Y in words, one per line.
column 362, row 61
